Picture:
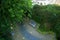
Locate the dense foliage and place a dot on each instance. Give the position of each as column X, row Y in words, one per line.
column 48, row 18
column 10, row 12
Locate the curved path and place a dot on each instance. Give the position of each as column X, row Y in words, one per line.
column 27, row 32
column 27, row 35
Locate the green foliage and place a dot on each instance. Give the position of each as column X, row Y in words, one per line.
column 10, row 12
column 48, row 18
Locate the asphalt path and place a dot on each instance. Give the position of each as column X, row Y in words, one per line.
column 26, row 34
column 25, row 31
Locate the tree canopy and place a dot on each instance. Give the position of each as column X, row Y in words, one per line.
column 10, row 12
column 48, row 17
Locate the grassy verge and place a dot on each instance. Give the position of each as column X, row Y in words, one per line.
column 45, row 32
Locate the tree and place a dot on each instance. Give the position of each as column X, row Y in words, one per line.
column 41, row 15
column 10, row 12
column 48, row 18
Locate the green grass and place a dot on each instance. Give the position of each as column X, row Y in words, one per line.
column 45, row 32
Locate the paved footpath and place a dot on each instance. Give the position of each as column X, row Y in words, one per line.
column 27, row 32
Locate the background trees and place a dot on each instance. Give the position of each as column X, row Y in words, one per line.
column 48, row 18
column 10, row 12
